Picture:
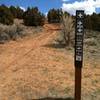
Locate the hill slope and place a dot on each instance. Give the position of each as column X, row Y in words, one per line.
column 31, row 69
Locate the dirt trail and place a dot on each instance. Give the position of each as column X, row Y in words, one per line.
column 15, row 51
column 31, row 69
column 25, row 62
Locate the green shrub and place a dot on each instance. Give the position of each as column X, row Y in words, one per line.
column 10, row 32
column 4, row 37
column 90, row 42
column 17, row 12
column 6, row 16
column 54, row 16
column 33, row 17
column 92, row 22
column 13, row 11
column 67, row 26
column 20, row 13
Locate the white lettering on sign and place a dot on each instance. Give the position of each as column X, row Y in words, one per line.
column 80, row 15
column 79, row 23
column 79, row 30
column 79, row 35
column 79, row 44
column 79, row 48
column 78, row 58
column 79, row 26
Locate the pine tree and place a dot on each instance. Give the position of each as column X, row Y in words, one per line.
column 54, row 16
column 13, row 11
column 33, row 17
column 6, row 16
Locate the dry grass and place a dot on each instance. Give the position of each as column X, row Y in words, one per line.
column 31, row 70
column 67, row 24
column 10, row 32
column 92, row 47
column 16, row 31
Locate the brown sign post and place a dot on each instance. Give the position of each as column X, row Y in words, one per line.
column 79, row 34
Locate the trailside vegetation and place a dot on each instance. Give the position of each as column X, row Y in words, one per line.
column 54, row 16
column 33, row 17
column 6, row 17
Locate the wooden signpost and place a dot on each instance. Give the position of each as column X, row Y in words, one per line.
column 79, row 34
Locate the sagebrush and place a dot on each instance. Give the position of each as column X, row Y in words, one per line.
column 12, row 32
column 67, row 25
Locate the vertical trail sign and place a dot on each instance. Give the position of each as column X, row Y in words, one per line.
column 79, row 34
column 79, row 38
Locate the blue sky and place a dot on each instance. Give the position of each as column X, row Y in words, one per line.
column 45, row 5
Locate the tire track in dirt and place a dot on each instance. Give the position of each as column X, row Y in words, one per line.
column 34, row 44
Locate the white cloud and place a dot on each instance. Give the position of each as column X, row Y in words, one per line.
column 65, row 0
column 46, row 14
column 88, row 5
column 23, row 8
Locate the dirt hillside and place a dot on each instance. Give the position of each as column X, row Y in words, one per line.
column 31, row 69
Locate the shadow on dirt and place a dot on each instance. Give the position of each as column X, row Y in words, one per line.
column 57, row 46
column 55, row 99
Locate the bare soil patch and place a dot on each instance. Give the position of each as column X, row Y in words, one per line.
column 30, row 70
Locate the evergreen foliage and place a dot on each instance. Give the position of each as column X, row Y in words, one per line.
column 54, row 16
column 92, row 22
column 33, row 17
column 17, row 12
column 6, row 16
